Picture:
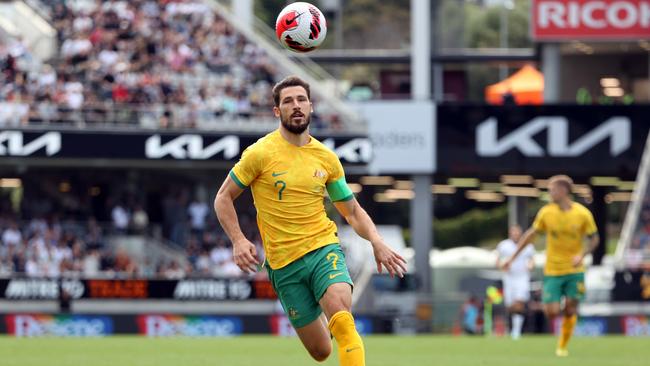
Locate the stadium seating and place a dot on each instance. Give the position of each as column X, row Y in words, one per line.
column 193, row 71
column 48, row 238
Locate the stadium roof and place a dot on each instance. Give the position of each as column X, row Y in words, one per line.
column 403, row 56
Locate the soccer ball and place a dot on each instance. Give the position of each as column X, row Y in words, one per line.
column 301, row 27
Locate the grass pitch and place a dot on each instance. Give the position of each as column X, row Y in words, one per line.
column 276, row 351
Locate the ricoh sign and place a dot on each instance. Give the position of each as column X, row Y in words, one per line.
column 590, row 19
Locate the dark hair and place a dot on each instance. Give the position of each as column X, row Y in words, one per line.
column 562, row 180
column 289, row 81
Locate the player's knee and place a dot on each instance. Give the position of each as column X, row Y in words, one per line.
column 335, row 303
column 570, row 308
column 339, row 304
column 570, row 311
column 552, row 312
column 321, row 352
column 517, row 307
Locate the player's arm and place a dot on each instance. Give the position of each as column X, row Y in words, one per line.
column 362, row 224
column 499, row 262
column 528, row 237
column 244, row 252
column 594, row 241
column 498, row 251
column 591, row 232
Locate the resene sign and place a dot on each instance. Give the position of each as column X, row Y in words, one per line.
column 590, row 19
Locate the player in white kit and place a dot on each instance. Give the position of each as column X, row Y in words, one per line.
column 516, row 281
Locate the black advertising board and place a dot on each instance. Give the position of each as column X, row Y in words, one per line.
column 584, row 141
column 149, row 146
column 631, row 286
column 188, row 289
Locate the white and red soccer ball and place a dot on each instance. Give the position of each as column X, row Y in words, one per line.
column 301, row 27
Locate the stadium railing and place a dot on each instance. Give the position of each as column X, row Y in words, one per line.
column 633, row 248
column 151, row 116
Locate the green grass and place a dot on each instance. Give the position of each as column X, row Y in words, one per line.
column 275, row 351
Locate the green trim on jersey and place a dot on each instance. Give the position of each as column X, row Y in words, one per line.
column 236, row 180
column 339, row 190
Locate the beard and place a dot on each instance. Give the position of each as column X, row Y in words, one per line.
column 295, row 128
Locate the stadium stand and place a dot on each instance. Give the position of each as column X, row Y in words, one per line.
column 54, row 237
column 153, row 64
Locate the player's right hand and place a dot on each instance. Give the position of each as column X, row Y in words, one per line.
column 506, row 265
column 384, row 256
column 244, row 254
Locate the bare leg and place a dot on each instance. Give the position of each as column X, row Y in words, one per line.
column 316, row 339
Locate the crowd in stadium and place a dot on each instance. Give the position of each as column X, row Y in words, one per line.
column 157, row 64
column 55, row 244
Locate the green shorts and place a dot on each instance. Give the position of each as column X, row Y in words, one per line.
column 301, row 284
column 572, row 286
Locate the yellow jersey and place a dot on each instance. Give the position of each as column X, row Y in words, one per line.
column 288, row 184
column 565, row 233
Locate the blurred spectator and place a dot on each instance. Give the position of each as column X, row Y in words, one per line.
column 140, row 220
column 121, row 218
column 124, row 264
column 220, row 256
column 176, row 219
column 230, row 269
column 198, row 210
column 6, row 268
column 32, row 267
column 91, row 264
column 174, row 271
column 203, row 264
column 470, row 316
column 11, row 236
column 634, row 256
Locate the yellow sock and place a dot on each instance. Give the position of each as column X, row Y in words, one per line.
column 351, row 351
column 568, row 324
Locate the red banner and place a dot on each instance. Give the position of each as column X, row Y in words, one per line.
column 590, row 19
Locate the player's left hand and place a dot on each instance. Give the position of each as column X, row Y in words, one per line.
column 577, row 261
column 386, row 257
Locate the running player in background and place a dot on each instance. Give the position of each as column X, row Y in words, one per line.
column 516, row 281
column 288, row 172
column 566, row 224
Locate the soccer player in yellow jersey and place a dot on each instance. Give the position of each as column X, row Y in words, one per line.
column 566, row 224
column 288, row 172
